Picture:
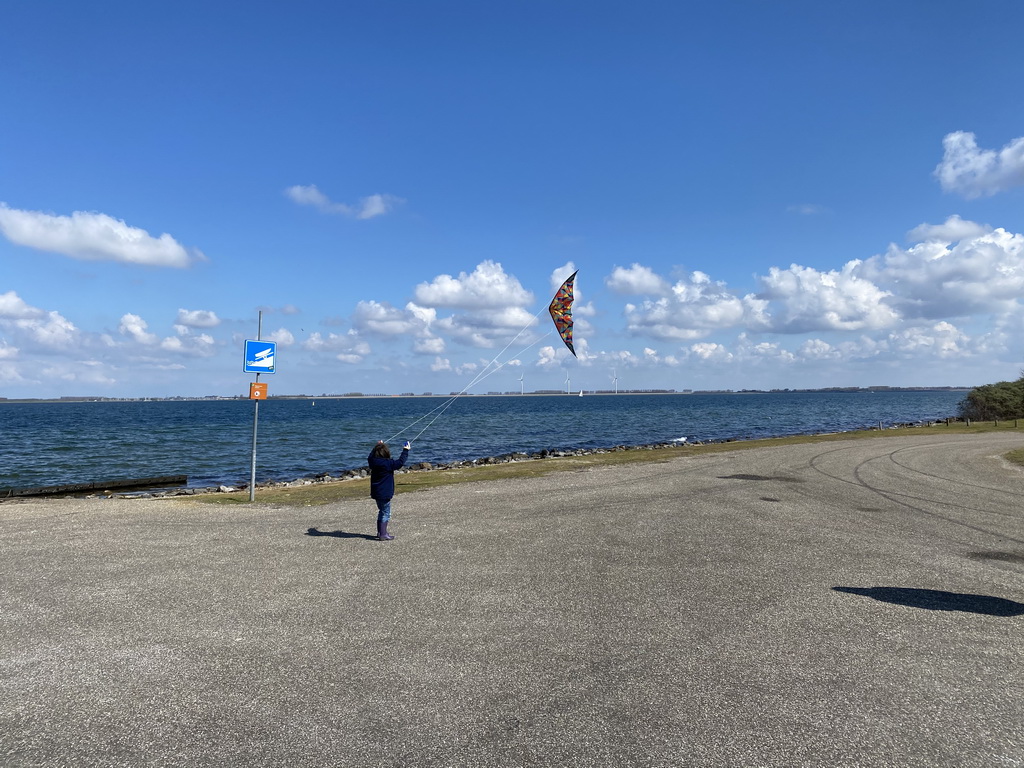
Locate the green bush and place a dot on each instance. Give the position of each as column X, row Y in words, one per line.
column 1003, row 400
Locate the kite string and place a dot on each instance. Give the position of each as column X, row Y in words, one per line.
column 421, row 418
column 479, row 377
column 484, row 373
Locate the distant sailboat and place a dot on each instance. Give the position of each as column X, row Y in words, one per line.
column 581, row 393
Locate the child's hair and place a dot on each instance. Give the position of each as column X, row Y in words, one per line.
column 381, row 451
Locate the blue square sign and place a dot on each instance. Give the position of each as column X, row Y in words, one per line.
column 260, row 356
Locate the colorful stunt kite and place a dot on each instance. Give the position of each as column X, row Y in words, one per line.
column 561, row 312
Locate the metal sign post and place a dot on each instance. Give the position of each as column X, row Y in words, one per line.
column 260, row 357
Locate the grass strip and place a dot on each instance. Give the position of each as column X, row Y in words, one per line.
column 1017, row 456
column 317, row 493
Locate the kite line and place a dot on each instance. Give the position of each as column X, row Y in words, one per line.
column 560, row 310
column 483, row 374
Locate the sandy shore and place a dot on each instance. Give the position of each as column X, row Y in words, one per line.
column 855, row 602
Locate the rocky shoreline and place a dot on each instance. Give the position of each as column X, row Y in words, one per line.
column 420, row 466
column 347, row 475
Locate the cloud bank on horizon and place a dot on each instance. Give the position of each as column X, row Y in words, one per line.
column 710, row 255
column 905, row 306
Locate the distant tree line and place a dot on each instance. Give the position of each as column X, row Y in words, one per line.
column 1002, row 400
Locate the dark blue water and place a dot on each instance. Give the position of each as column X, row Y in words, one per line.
column 211, row 441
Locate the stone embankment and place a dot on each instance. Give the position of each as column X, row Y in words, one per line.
column 423, row 466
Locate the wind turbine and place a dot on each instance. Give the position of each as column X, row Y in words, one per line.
column 567, row 381
column 615, row 381
column 521, row 391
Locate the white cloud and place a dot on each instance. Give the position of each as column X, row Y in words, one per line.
column 762, row 351
column 198, row 318
column 173, row 344
column 637, row 280
column 959, row 268
column 367, row 208
column 78, row 372
column 9, row 373
column 432, row 346
column 693, row 308
column 202, row 345
column 975, row 172
column 382, row 319
column 617, row 358
column 490, row 328
column 936, row 279
column 135, row 327
column 348, row 347
column 7, row 351
column 710, row 351
column 185, row 343
column 93, row 236
column 444, row 364
column 560, row 274
column 652, row 357
column 942, row 340
column 54, row 331
column 486, row 287
column 282, row 336
column 950, row 231
column 376, row 205
column 583, row 310
column 425, row 316
column 495, row 301
column 549, row 357
column 817, row 349
column 309, row 195
column 13, row 306
column 810, row 300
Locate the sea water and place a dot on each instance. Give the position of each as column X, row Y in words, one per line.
column 211, row 441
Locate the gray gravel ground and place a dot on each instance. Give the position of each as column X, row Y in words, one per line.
column 858, row 603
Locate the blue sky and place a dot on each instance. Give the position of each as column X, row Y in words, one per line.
column 756, row 195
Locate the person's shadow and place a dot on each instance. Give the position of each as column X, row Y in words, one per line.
column 340, row 534
column 937, row 600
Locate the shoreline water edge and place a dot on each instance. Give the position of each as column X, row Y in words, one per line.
column 211, row 443
column 359, row 473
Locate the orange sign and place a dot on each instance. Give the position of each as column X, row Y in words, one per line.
column 257, row 391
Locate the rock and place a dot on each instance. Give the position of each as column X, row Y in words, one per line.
column 424, row 465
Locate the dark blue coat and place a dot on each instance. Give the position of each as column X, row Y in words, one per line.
column 382, row 475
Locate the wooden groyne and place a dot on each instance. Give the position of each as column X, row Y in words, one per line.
column 97, row 487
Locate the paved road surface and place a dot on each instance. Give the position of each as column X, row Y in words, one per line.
column 855, row 603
